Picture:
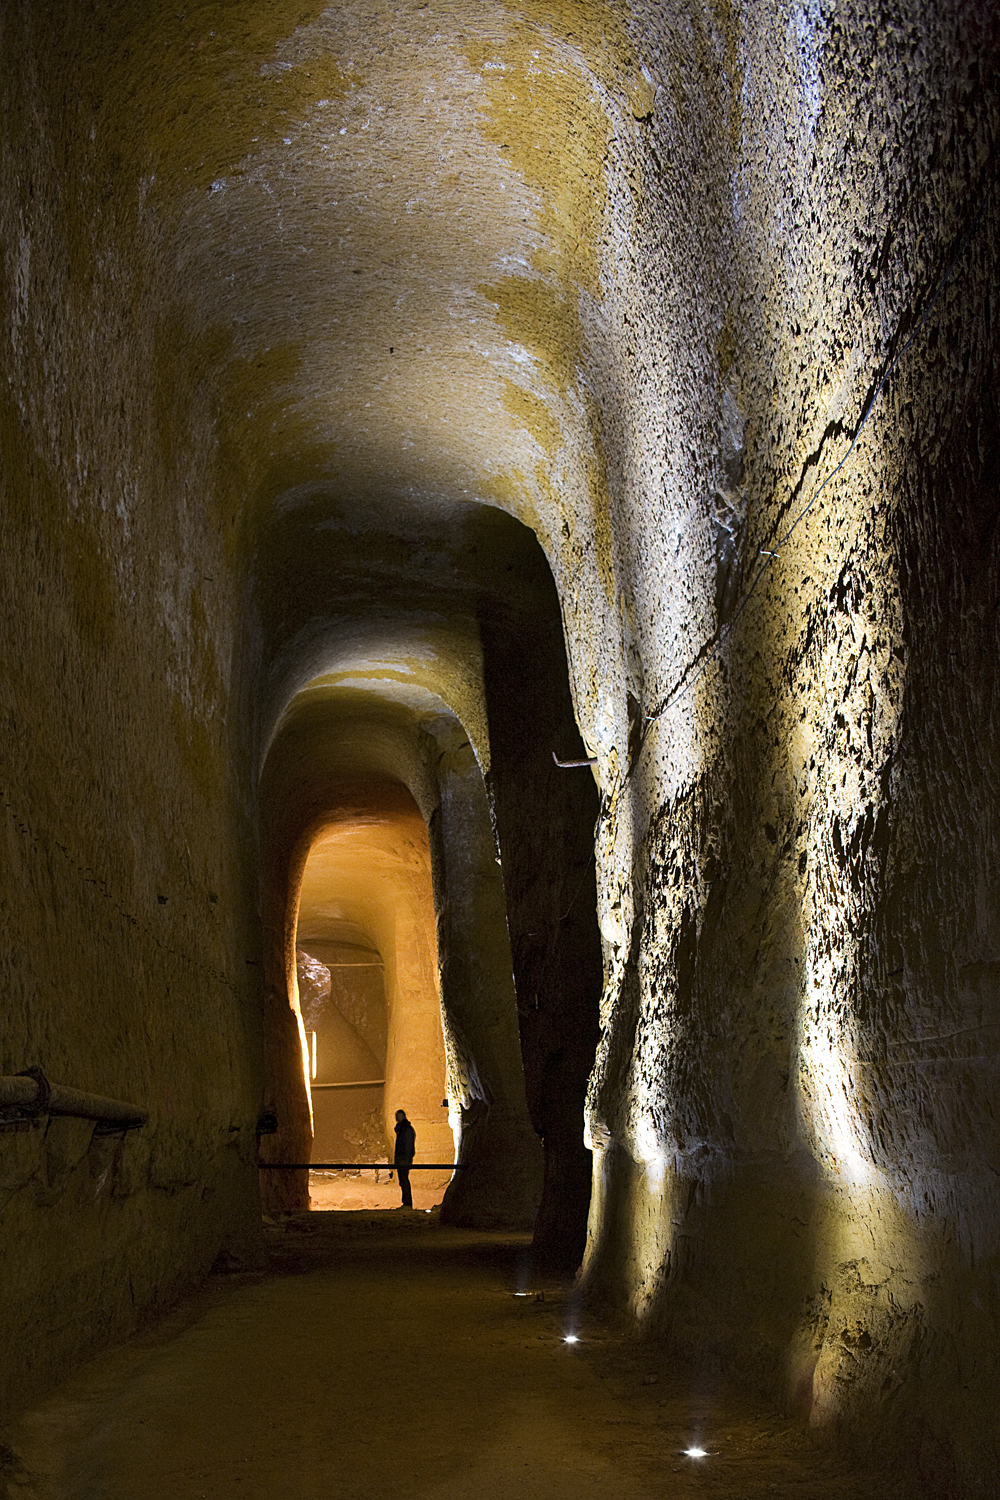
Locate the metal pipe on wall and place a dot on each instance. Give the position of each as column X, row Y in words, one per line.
column 25, row 1095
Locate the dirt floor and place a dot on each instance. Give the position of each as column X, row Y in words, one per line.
column 341, row 1190
column 384, row 1356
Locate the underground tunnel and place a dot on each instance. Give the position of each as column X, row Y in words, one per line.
column 472, row 908
column 372, row 1024
column 500, row 598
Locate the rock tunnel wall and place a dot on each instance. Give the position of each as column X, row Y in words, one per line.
column 796, row 1054
column 131, row 949
column 545, row 816
column 672, row 262
column 340, row 755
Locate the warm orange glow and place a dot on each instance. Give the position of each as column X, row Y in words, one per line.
column 368, row 991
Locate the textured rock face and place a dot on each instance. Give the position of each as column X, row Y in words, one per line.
column 347, row 1124
column 798, row 1016
column 378, row 844
column 296, row 304
column 314, row 986
column 353, row 984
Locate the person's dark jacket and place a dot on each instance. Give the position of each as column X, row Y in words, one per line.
column 406, row 1144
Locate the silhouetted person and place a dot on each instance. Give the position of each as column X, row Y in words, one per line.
column 406, row 1146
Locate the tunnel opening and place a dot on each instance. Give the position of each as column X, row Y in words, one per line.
column 365, row 991
column 344, row 1014
column 456, row 686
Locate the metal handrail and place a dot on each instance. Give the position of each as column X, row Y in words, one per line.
column 362, row 1166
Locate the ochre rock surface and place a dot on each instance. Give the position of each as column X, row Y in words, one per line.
column 333, row 338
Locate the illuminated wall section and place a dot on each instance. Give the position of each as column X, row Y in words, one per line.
column 371, row 874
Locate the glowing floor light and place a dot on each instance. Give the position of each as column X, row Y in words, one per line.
column 571, row 1338
column 696, row 1452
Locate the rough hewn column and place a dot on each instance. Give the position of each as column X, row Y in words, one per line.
column 545, row 821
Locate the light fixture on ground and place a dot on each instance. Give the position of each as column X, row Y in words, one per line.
column 571, row 1338
column 695, row 1453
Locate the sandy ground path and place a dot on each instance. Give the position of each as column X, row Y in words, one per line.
column 386, row 1357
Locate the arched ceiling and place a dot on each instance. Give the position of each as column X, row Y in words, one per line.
column 388, row 238
column 384, row 262
column 369, row 860
column 389, row 617
column 381, row 243
column 336, row 738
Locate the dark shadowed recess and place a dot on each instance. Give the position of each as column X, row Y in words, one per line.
column 545, row 818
